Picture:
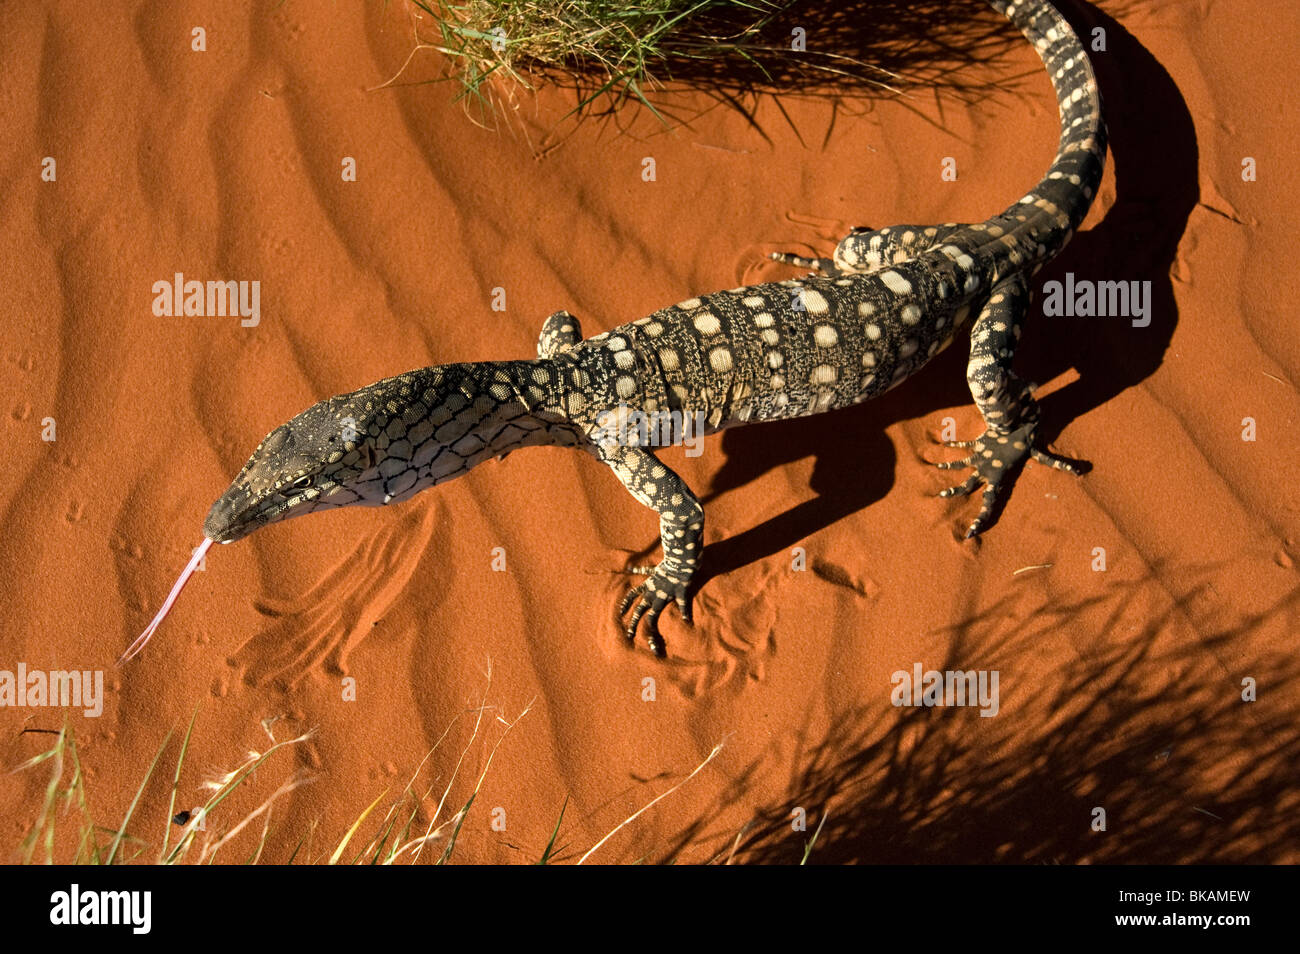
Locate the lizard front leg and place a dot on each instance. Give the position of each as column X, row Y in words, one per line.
column 681, row 534
column 1005, row 402
column 560, row 333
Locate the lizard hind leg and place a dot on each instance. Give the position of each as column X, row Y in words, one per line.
column 1005, row 402
column 560, row 332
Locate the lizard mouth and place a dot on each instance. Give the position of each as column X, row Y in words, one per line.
column 240, row 511
column 229, row 519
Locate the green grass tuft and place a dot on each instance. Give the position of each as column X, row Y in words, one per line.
column 618, row 51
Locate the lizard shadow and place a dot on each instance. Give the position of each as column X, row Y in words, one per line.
column 1153, row 152
column 854, row 463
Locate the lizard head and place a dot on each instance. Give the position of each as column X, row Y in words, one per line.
column 382, row 444
column 325, row 457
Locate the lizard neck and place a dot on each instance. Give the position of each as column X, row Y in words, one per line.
column 478, row 411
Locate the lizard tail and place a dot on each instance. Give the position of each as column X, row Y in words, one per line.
column 1038, row 226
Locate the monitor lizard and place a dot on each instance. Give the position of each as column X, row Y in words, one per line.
column 863, row 321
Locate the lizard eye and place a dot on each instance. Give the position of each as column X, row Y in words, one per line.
column 302, row 483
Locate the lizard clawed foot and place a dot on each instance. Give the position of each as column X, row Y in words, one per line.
column 647, row 600
column 995, row 458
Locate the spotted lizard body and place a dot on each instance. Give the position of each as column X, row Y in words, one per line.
column 884, row 304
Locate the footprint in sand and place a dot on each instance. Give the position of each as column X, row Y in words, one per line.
column 319, row 627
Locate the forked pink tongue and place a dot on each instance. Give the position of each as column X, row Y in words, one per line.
column 190, row 567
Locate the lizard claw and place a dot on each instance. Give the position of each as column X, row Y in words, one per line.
column 648, row 599
column 994, row 457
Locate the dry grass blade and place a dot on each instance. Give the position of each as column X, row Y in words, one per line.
column 635, row 815
column 338, row 852
column 196, row 844
column 116, row 843
column 176, row 782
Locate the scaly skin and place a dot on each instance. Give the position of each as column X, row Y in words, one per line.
column 883, row 305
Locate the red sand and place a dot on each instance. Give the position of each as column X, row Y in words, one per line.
column 1119, row 689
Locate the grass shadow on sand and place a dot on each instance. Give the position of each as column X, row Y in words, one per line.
column 1152, row 730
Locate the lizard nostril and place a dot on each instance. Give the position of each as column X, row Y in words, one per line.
column 221, row 518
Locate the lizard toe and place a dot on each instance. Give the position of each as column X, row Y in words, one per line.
column 965, row 488
column 981, row 520
column 996, row 457
column 645, row 616
column 954, row 443
column 955, row 465
column 647, row 601
column 628, row 600
column 684, row 606
column 790, row 258
column 1059, row 463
